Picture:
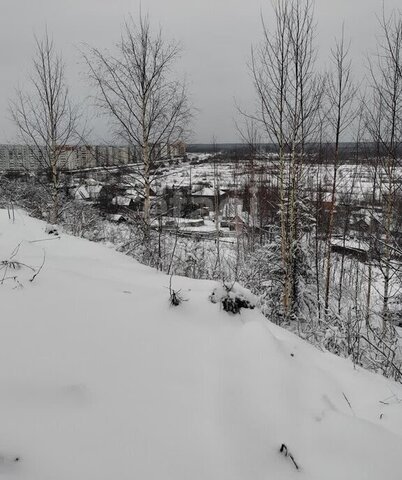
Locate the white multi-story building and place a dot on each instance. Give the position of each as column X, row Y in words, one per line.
column 24, row 157
column 18, row 157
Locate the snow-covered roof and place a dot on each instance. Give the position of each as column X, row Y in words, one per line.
column 91, row 182
column 94, row 190
column 351, row 243
column 132, row 191
column 121, row 201
column 206, row 192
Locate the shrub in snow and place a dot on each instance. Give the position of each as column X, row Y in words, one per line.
column 16, row 272
column 233, row 297
column 175, row 298
column 261, row 272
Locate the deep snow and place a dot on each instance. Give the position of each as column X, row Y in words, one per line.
column 101, row 379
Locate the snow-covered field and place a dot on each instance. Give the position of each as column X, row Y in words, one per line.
column 101, row 379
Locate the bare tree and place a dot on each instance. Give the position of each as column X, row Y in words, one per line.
column 385, row 126
column 46, row 119
column 288, row 99
column 340, row 92
column 149, row 110
column 217, row 218
column 250, row 135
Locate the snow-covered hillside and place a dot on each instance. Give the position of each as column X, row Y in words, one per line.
column 101, row 379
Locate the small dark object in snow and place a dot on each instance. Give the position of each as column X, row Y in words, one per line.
column 286, row 453
column 233, row 297
column 175, row 298
column 6, row 460
column 234, row 305
column 292, row 354
column 52, row 230
column 381, row 415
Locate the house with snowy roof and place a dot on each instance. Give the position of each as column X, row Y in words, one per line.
column 207, row 197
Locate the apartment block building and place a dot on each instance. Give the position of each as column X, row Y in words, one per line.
column 18, row 157
column 23, row 157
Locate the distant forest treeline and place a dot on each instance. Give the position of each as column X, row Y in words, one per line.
column 348, row 150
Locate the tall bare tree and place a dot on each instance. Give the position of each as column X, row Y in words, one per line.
column 288, row 99
column 340, row 92
column 46, row 118
column 385, row 126
column 149, row 109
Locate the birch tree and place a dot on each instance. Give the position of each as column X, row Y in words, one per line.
column 340, row 92
column 46, row 118
column 288, row 99
column 148, row 108
column 385, row 126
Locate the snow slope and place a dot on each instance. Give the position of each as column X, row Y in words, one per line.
column 100, row 379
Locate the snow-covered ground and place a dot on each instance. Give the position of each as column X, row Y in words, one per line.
column 101, row 379
column 354, row 180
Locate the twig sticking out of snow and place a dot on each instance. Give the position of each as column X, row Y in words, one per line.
column 40, row 268
column 175, row 298
column 7, row 265
column 391, row 399
column 14, row 265
column 350, row 406
column 11, row 213
column 15, row 251
column 284, row 450
column 44, row 240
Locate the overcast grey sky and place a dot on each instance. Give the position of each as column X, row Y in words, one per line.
column 216, row 36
